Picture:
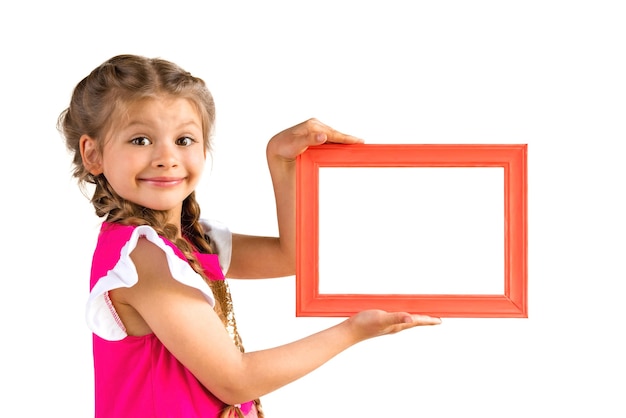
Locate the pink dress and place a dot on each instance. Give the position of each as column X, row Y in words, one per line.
column 137, row 377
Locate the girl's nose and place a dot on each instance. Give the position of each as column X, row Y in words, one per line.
column 165, row 156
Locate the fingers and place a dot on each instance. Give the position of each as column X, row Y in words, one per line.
column 424, row 320
column 293, row 141
column 402, row 321
column 411, row 320
column 394, row 322
column 334, row 136
column 317, row 132
column 376, row 322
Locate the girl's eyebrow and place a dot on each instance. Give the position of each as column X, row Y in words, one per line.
column 190, row 122
column 140, row 122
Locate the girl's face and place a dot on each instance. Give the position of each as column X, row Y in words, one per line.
column 154, row 154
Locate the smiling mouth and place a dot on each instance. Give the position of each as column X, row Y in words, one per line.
column 163, row 181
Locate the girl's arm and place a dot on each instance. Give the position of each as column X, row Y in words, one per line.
column 183, row 320
column 261, row 257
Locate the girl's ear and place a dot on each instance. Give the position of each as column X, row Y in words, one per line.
column 91, row 156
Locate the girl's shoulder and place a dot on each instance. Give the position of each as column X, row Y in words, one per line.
column 113, row 237
column 113, row 267
column 116, row 241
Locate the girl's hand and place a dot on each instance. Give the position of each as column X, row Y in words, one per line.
column 373, row 323
column 262, row 257
column 291, row 142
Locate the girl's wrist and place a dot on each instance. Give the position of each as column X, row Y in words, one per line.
column 352, row 332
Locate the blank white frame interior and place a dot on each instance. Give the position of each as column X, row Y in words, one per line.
column 411, row 230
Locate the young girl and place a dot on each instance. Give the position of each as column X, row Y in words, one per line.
column 165, row 341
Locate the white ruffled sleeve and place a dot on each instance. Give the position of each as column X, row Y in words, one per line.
column 101, row 316
column 222, row 238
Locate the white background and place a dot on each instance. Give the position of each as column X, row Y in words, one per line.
column 449, row 221
column 547, row 73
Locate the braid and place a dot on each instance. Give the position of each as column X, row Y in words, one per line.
column 193, row 231
column 96, row 102
column 233, row 411
column 110, row 204
column 117, row 209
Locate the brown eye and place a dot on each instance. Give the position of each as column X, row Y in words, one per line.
column 185, row 141
column 140, row 140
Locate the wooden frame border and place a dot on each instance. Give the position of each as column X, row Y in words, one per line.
column 513, row 158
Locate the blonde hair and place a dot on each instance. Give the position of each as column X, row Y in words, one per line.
column 96, row 101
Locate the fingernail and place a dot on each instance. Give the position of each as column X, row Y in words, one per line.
column 321, row 137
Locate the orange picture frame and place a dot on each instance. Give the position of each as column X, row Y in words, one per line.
column 511, row 157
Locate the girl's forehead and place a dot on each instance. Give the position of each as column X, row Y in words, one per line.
column 155, row 108
column 148, row 110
